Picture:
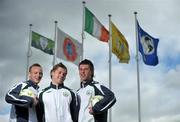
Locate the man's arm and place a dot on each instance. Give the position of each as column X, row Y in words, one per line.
column 40, row 109
column 73, row 108
column 14, row 98
column 107, row 102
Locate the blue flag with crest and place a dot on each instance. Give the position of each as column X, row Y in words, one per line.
column 147, row 47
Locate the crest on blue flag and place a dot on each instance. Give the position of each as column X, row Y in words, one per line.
column 147, row 47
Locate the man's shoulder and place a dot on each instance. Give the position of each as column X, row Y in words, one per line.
column 45, row 89
column 96, row 84
column 69, row 89
column 23, row 84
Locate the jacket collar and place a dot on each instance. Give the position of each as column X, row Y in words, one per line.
column 31, row 83
column 85, row 83
column 56, row 87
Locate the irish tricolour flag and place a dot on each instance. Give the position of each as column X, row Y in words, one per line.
column 94, row 27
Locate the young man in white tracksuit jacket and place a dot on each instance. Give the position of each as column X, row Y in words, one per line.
column 89, row 89
column 57, row 102
column 23, row 97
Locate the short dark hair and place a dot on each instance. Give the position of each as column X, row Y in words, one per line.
column 88, row 62
column 55, row 67
column 34, row 65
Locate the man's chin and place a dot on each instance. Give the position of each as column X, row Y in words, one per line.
column 83, row 80
column 36, row 81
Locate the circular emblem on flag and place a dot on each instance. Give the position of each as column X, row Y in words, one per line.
column 69, row 49
column 147, row 45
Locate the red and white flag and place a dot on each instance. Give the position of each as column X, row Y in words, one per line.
column 68, row 48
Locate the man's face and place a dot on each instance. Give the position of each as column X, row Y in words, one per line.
column 85, row 72
column 35, row 74
column 59, row 75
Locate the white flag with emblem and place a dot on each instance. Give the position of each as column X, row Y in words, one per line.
column 68, row 48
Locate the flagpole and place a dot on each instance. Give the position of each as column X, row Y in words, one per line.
column 55, row 43
column 137, row 60
column 82, row 35
column 110, row 55
column 28, row 52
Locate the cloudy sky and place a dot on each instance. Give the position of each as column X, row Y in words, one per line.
column 160, row 86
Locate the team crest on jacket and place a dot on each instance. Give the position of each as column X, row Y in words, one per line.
column 89, row 92
column 65, row 94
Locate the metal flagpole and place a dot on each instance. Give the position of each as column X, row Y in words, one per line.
column 28, row 52
column 137, row 60
column 83, row 21
column 110, row 55
column 55, row 43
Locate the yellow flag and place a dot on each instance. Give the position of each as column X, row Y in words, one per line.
column 119, row 45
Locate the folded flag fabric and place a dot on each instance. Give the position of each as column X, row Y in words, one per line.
column 42, row 43
column 120, row 45
column 147, row 47
column 94, row 27
column 68, row 48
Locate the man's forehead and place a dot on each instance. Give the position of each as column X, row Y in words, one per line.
column 84, row 66
column 61, row 69
column 36, row 68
